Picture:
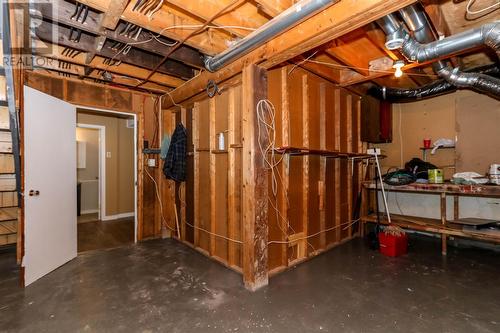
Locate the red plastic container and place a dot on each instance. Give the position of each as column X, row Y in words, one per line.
column 393, row 246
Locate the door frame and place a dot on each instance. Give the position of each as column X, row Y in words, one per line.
column 101, row 193
column 129, row 115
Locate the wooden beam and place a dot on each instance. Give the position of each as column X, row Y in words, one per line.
column 144, row 41
column 255, row 229
column 98, row 63
column 273, row 7
column 159, row 45
column 111, row 16
column 169, row 23
column 134, row 56
column 334, row 21
column 247, row 15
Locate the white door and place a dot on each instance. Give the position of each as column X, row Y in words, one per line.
column 50, row 184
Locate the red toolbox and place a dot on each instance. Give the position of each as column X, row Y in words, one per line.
column 393, row 245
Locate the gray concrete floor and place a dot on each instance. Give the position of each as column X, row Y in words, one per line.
column 163, row 286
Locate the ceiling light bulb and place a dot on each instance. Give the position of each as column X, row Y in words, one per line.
column 398, row 65
column 398, row 72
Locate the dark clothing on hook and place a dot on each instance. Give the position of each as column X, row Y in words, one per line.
column 175, row 163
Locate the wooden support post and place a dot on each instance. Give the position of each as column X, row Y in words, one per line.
column 364, row 210
column 322, row 172
column 337, row 167
column 255, row 228
column 232, row 214
column 196, row 169
column 182, row 188
column 305, row 167
column 443, row 222
column 213, row 187
column 284, row 168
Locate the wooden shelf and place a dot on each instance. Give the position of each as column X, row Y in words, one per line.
column 298, row 151
column 433, row 226
column 492, row 191
column 431, row 148
column 216, row 151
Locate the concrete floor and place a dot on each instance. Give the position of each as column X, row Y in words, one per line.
column 163, row 286
column 94, row 235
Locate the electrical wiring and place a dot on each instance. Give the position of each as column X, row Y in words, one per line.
column 345, row 67
column 490, row 8
column 197, row 26
column 159, row 201
column 266, row 116
column 197, row 31
column 168, row 92
column 301, row 62
column 317, row 233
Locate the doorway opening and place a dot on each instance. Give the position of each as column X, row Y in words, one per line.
column 106, row 179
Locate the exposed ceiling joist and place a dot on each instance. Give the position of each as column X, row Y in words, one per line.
column 273, row 7
column 64, row 14
column 111, row 16
column 104, row 64
column 177, row 25
column 85, row 42
column 246, row 15
column 331, row 23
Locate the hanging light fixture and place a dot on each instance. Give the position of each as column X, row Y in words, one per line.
column 398, row 64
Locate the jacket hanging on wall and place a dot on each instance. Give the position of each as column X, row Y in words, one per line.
column 175, row 163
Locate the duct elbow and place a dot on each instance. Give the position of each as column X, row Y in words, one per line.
column 491, row 33
column 476, row 81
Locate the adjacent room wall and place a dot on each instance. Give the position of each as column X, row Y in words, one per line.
column 89, row 176
column 472, row 119
column 119, row 161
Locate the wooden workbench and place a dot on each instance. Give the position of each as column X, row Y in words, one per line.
column 439, row 226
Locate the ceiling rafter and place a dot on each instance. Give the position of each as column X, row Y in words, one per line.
column 134, row 56
column 273, row 7
column 103, row 64
column 65, row 10
column 164, row 22
column 244, row 15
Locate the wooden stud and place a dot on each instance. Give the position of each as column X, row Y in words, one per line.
column 233, row 205
column 322, row 184
column 255, row 197
column 213, row 188
column 182, row 189
column 337, row 166
column 196, row 167
column 305, row 161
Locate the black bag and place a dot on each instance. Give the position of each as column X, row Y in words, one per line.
column 419, row 168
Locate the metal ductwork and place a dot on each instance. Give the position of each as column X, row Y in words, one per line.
column 436, row 88
column 424, row 48
column 287, row 19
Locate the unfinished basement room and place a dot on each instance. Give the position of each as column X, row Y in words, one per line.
column 250, row 166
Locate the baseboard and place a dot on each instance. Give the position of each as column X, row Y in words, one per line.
column 89, row 211
column 117, row 216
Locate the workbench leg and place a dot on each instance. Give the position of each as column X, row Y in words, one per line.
column 443, row 222
column 364, row 210
column 456, row 207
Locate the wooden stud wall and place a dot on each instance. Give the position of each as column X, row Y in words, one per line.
column 211, row 197
column 315, row 193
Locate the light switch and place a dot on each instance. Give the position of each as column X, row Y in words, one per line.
column 151, row 162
